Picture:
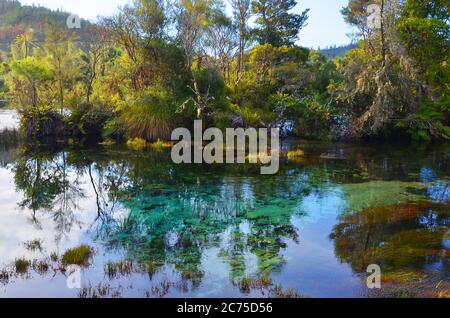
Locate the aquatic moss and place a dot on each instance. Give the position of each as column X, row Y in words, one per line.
column 382, row 193
column 77, row 256
column 270, row 214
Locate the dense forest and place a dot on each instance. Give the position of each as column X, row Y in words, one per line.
column 160, row 64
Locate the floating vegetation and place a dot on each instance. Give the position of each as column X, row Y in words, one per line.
column 77, row 256
column 160, row 145
column 34, row 245
column 21, row 265
column 137, row 144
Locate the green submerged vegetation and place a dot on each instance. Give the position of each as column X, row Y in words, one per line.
column 181, row 227
column 158, row 65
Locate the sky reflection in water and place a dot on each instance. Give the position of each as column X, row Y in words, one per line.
column 194, row 230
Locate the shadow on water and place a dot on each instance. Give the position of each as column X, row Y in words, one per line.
column 225, row 230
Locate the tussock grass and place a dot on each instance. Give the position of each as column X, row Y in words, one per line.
column 77, row 256
column 21, row 265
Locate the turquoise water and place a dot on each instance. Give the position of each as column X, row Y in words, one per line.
column 171, row 230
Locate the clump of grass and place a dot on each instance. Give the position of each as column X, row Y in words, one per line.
column 160, row 145
column 21, row 265
column 54, row 257
column 295, row 154
column 77, row 256
column 137, row 144
column 113, row 269
column 34, row 245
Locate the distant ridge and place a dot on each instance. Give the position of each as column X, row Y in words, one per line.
column 337, row 51
column 16, row 19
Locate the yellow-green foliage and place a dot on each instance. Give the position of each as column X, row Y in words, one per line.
column 160, row 145
column 149, row 115
column 137, row 144
column 292, row 155
column 77, row 256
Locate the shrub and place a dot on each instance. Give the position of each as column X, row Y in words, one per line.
column 149, row 116
column 42, row 121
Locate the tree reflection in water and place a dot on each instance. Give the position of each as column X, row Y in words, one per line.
column 160, row 215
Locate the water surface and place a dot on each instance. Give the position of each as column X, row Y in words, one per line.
column 219, row 231
column 9, row 119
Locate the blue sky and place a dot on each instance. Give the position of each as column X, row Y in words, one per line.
column 325, row 25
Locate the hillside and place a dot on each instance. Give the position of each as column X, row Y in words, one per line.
column 16, row 18
column 337, row 51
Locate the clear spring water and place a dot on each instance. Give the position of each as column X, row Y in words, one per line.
column 199, row 231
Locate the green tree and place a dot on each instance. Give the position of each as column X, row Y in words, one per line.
column 275, row 24
column 64, row 60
